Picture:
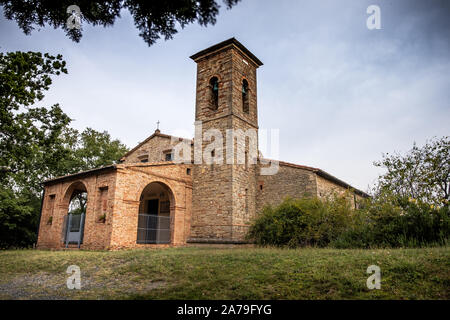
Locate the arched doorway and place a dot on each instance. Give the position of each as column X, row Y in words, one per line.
column 73, row 227
column 154, row 218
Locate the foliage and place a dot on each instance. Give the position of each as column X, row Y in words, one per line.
column 385, row 221
column 37, row 144
column 422, row 173
column 30, row 137
column 391, row 221
column 18, row 218
column 30, row 141
column 302, row 222
column 90, row 149
column 78, row 203
column 154, row 19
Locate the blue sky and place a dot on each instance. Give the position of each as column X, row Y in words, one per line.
column 340, row 94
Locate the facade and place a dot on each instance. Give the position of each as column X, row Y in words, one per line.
column 148, row 199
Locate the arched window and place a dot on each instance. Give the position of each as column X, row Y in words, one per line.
column 245, row 99
column 214, row 93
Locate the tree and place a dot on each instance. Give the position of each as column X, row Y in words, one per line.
column 36, row 143
column 19, row 214
column 422, row 174
column 154, row 19
column 90, row 149
column 30, row 144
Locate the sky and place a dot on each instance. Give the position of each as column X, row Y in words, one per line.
column 340, row 94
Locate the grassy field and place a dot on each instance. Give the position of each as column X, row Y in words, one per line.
column 210, row 273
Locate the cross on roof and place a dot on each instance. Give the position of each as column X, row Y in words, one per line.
column 157, row 125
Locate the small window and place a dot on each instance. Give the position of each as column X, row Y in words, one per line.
column 188, row 171
column 168, row 156
column 213, row 153
column 143, row 158
column 214, row 93
column 245, row 99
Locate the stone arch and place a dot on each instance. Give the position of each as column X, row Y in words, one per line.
column 213, row 92
column 156, row 212
column 71, row 191
column 78, row 185
column 163, row 182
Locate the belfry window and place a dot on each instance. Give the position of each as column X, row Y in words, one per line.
column 245, row 102
column 214, row 93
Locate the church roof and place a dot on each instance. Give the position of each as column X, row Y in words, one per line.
column 226, row 43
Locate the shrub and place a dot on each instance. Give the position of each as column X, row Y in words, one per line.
column 397, row 222
column 385, row 221
column 302, row 222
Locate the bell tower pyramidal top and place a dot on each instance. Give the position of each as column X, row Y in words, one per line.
column 226, row 83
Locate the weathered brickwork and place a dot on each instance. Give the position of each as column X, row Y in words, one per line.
column 327, row 188
column 125, row 184
column 288, row 182
column 153, row 149
column 206, row 203
column 223, row 195
column 56, row 203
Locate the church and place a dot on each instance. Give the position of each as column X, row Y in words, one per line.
column 150, row 199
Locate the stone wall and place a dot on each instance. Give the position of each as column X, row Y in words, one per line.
column 290, row 181
column 100, row 192
column 131, row 181
column 116, row 193
column 153, row 149
column 327, row 188
column 224, row 194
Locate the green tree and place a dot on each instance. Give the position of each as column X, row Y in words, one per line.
column 30, row 140
column 423, row 173
column 36, row 143
column 154, row 19
column 30, row 137
column 90, row 149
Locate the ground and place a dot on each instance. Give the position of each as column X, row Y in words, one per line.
column 226, row 273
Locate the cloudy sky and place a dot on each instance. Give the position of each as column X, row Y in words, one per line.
column 340, row 94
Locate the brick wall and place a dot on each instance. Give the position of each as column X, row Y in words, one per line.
column 289, row 181
column 56, row 204
column 223, row 197
column 152, row 148
column 116, row 193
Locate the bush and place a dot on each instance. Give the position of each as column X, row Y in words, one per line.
column 302, row 222
column 382, row 222
column 397, row 222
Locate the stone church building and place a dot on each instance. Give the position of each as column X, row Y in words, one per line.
column 148, row 200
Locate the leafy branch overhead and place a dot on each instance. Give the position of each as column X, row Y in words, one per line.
column 154, row 19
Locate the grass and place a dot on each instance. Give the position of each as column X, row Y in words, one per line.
column 212, row 273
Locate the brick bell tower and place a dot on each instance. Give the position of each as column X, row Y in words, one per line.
column 224, row 193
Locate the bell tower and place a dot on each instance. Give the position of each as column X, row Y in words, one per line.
column 224, row 190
